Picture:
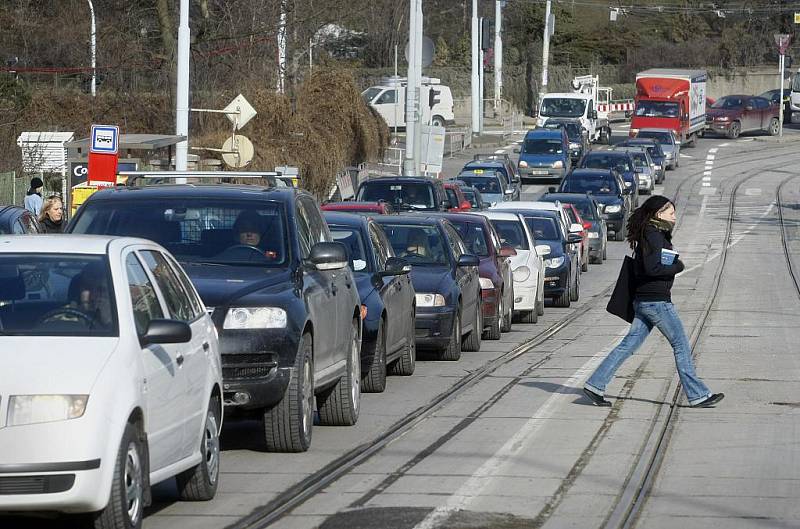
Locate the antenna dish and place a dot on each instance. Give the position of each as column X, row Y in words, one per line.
column 237, row 151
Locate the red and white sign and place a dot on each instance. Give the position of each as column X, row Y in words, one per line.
column 103, row 155
column 616, row 107
column 782, row 40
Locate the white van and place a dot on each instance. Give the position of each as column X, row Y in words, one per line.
column 389, row 100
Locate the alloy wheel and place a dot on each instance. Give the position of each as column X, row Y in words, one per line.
column 212, row 447
column 134, row 490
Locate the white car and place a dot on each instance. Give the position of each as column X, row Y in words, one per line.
column 110, row 378
column 538, row 206
column 527, row 266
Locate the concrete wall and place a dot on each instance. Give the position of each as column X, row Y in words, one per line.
column 743, row 81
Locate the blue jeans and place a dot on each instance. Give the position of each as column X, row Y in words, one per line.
column 651, row 314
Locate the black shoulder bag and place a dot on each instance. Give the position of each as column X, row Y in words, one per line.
column 621, row 302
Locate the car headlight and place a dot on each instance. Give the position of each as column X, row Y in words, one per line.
column 558, row 164
column 722, row 118
column 613, row 208
column 32, row 409
column 255, row 318
column 430, row 300
column 486, row 283
column 521, row 273
column 554, row 262
column 594, row 235
column 523, row 164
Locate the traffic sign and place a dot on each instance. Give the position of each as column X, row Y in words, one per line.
column 239, row 111
column 797, row 18
column 104, row 139
column 782, row 40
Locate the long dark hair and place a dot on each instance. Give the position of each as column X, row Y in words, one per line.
column 641, row 217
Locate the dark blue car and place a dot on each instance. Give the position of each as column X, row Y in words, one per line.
column 446, row 282
column 544, row 155
column 387, row 299
column 605, row 186
column 622, row 162
column 655, row 151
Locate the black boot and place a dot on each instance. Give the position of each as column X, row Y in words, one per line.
column 710, row 401
column 597, row 400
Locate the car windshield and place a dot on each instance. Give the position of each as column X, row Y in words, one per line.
column 403, row 195
column 485, row 184
column 562, row 107
column 369, row 94
column 639, row 158
column 418, row 244
column 573, row 129
column 602, row 161
column 56, row 295
column 352, row 240
column 657, row 109
column 543, row 146
column 471, row 196
column 511, row 233
column 198, row 229
column 664, row 138
column 597, row 185
column 543, row 228
column 474, row 238
column 729, row 102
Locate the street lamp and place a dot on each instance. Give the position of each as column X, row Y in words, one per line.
column 94, row 50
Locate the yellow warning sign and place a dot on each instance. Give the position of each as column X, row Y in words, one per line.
column 797, row 18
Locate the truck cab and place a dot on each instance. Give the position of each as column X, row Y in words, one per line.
column 581, row 105
column 795, row 93
column 389, row 100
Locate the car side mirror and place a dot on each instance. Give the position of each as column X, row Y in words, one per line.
column 574, row 238
column 396, row 266
column 328, row 256
column 575, row 228
column 468, row 260
column 510, row 191
column 507, row 251
column 161, row 331
column 542, row 250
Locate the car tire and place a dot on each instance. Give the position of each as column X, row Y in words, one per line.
column 585, row 265
column 339, row 406
column 508, row 318
column 564, row 299
column 473, row 341
column 540, row 306
column 288, row 425
column 200, row 483
column 605, row 252
column 125, row 508
column 774, row 127
column 734, row 130
column 437, row 121
column 453, row 350
column 404, row 366
column 529, row 316
column 575, row 292
column 374, row 380
column 496, row 328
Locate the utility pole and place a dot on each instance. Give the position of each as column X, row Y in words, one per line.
column 476, row 92
column 94, row 50
column 182, row 94
column 498, row 53
column 411, row 165
column 545, row 48
column 282, row 49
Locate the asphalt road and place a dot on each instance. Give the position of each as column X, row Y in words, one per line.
column 521, row 447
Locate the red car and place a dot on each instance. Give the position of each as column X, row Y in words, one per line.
column 733, row 115
column 377, row 208
column 497, row 284
column 458, row 201
column 575, row 218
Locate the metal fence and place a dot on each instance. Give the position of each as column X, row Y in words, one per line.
column 13, row 188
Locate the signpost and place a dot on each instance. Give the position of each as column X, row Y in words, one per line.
column 782, row 40
column 103, row 155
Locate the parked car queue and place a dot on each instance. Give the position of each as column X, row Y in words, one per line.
column 220, row 297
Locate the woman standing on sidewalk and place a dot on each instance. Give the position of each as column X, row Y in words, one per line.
column 649, row 232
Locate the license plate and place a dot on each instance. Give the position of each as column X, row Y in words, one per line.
column 538, row 171
column 477, row 171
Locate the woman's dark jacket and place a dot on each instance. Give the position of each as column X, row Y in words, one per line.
column 49, row 226
column 654, row 280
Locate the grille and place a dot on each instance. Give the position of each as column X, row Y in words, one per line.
column 248, row 366
column 246, row 372
column 36, row 484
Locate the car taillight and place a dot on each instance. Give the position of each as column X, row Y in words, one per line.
column 587, row 225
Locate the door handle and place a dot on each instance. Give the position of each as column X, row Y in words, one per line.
column 179, row 359
column 206, row 346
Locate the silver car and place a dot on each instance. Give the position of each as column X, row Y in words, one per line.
column 669, row 144
column 644, row 166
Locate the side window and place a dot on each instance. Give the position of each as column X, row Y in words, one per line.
column 144, row 300
column 178, row 304
column 197, row 305
column 387, row 98
column 494, row 238
column 455, row 242
column 29, row 224
column 318, row 228
column 452, row 198
column 303, row 231
column 17, row 228
column 377, row 244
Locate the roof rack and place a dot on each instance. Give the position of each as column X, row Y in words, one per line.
column 490, row 156
column 159, row 176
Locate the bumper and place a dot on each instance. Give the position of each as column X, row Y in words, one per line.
column 555, row 281
column 490, row 298
column 433, row 326
column 524, row 296
column 718, row 127
column 596, row 246
column 67, row 491
column 544, row 173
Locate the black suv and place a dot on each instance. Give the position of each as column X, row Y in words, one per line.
column 405, row 193
column 279, row 290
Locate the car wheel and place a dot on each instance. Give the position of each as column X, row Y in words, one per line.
column 473, row 341
column 200, row 483
column 404, row 366
column 734, row 130
column 494, row 330
column 529, row 316
column 508, row 317
column 288, row 425
column 374, row 380
column 339, row 406
column 437, row 121
column 540, row 302
column 605, row 252
column 575, row 293
column 564, row 299
column 585, row 263
column 125, row 507
column 453, row 350
column 774, row 127
column 619, row 235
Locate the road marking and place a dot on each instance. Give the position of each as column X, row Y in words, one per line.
column 516, row 445
column 708, row 191
column 710, row 157
column 724, row 144
column 500, row 151
column 706, row 179
column 706, row 173
column 686, row 156
column 714, row 150
column 752, row 191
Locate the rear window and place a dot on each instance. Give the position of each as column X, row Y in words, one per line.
column 511, row 233
column 56, row 295
column 418, row 244
column 661, row 137
column 405, row 195
column 600, row 161
column 197, row 230
column 543, row 228
column 489, row 185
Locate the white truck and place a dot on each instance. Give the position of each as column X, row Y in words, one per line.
column 589, row 103
column 795, row 95
column 389, row 100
